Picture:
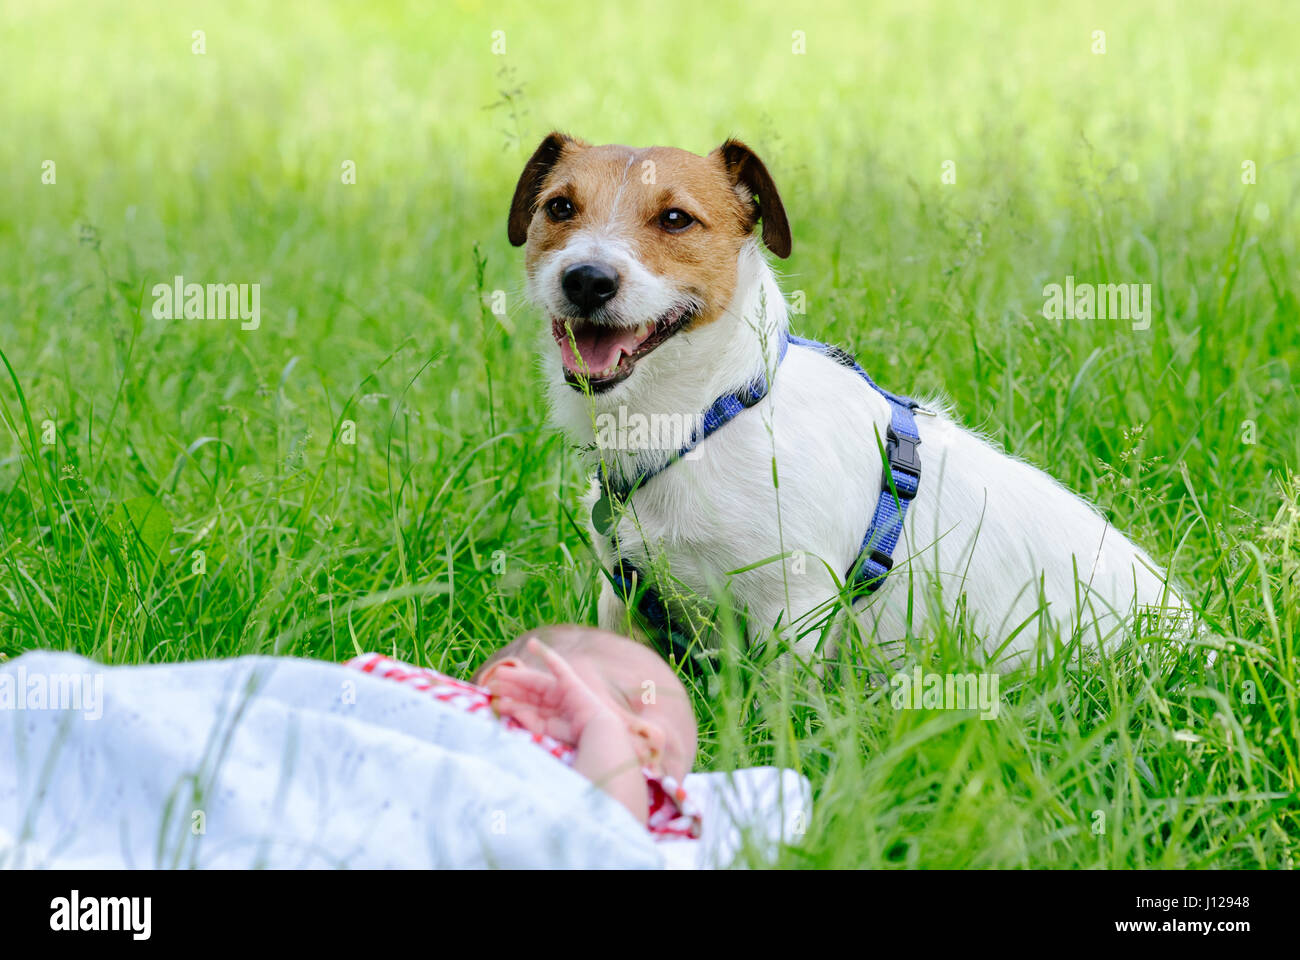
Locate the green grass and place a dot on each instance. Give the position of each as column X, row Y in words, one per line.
column 132, row 442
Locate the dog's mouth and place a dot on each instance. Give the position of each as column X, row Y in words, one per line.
column 600, row 355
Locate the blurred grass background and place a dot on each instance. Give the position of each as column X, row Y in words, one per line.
column 441, row 532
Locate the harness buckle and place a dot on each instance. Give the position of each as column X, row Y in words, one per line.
column 902, row 455
column 870, row 580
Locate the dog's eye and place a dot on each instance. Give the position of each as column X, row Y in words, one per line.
column 675, row 221
column 559, row 208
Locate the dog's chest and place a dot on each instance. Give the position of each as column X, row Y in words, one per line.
column 795, row 476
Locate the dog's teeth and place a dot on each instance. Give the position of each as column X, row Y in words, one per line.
column 643, row 329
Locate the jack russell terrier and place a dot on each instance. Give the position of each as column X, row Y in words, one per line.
column 798, row 483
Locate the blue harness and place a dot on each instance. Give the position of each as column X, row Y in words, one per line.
column 899, row 482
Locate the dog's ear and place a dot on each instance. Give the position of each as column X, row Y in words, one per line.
column 530, row 184
column 754, row 183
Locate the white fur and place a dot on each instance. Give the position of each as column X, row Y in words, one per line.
column 984, row 524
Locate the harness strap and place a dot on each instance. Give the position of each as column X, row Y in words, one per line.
column 899, row 482
column 720, row 413
column 900, row 477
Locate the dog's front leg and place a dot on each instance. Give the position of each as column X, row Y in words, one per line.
column 612, row 615
column 611, row 611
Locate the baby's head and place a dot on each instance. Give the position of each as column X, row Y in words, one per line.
column 630, row 676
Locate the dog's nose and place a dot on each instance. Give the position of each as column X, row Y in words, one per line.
column 588, row 285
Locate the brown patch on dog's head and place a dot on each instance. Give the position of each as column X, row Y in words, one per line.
column 754, row 184
column 524, row 202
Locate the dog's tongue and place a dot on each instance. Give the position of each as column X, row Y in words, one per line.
column 599, row 347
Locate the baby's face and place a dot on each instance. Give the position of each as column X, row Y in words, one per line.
column 637, row 684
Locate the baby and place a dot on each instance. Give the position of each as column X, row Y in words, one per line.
column 607, row 706
column 615, row 701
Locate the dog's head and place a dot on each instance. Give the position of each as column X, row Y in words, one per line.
column 627, row 248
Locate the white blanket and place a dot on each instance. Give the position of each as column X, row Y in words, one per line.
column 286, row 763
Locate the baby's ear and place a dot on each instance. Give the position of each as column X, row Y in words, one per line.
column 485, row 675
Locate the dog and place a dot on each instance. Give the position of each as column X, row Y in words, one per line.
column 660, row 302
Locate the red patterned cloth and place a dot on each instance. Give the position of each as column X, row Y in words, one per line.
column 672, row 816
